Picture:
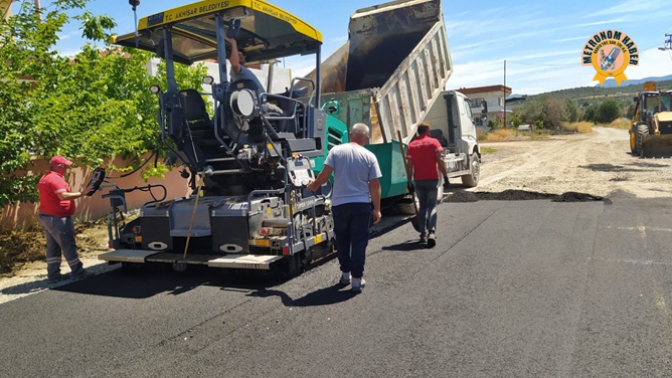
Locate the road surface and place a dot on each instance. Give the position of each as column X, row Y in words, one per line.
column 513, row 289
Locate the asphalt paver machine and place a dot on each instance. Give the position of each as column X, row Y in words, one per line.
column 248, row 164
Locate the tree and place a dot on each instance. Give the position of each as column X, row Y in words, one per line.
column 515, row 119
column 608, row 111
column 546, row 110
column 571, row 110
column 591, row 113
column 93, row 107
column 629, row 111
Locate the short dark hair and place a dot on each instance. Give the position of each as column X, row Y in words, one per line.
column 423, row 128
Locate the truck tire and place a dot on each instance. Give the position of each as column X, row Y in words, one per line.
column 405, row 206
column 471, row 180
column 642, row 130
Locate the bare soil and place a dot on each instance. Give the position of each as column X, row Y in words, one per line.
column 580, row 167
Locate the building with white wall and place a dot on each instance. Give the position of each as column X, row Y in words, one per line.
column 488, row 103
column 282, row 77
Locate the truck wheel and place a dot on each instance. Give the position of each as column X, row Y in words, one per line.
column 642, row 130
column 295, row 265
column 471, row 180
column 405, row 206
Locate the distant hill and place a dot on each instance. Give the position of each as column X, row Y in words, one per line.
column 585, row 96
column 611, row 83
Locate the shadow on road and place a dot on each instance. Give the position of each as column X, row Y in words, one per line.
column 411, row 245
column 142, row 285
column 321, row 297
column 631, row 167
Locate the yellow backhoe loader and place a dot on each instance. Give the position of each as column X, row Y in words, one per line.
column 651, row 126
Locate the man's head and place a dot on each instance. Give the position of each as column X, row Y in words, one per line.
column 359, row 133
column 59, row 164
column 423, row 128
column 241, row 55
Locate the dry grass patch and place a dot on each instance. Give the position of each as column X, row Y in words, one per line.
column 620, row 123
column 22, row 246
column 504, row 133
column 579, row 127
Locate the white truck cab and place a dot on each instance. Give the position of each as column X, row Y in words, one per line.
column 451, row 122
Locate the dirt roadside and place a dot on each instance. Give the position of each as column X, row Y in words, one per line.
column 598, row 164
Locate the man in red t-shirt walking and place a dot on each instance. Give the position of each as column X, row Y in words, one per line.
column 57, row 206
column 424, row 161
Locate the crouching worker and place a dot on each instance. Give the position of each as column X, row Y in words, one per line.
column 356, row 188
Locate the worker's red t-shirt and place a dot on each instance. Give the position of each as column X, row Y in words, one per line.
column 50, row 185
column 422, row 153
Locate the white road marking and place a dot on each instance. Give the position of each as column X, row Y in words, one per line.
column 641, row 229
column 637, row 262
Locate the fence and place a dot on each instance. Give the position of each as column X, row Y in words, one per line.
column 24, row 215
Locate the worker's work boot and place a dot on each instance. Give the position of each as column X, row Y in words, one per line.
column 431, row 240
column 357, row 285
column 423, row 238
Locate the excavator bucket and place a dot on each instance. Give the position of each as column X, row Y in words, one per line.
column 659, row 145
column 382, row 36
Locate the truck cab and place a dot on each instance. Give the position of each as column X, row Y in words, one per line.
column 451, row 122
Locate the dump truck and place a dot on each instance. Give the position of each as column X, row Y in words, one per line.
column 651, row 125
column 391, row 74
column 247, row 164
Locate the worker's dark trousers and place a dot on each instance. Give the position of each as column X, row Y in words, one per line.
column 427, row 191
column 351, row 224
column 60, row 236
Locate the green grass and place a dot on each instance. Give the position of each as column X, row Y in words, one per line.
column 488, row 150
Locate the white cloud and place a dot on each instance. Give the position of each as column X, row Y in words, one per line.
column 64, row 36
column 567, row 73
column 652, row 63
column 604, row 22
column 631, row 7
column 301, row 66
column 582, row 38
column 69, row 53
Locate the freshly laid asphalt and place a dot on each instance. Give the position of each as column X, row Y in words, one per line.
column 512, row 289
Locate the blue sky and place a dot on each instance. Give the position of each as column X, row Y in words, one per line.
column 541, row 41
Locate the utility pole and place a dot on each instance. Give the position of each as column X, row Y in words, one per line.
column 504, row 90
column 38, row 9
column 668, row 43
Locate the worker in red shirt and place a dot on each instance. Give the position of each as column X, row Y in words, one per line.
column 424, row 161
column 57, row 206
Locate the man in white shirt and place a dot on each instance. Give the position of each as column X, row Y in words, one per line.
column 356, row 191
